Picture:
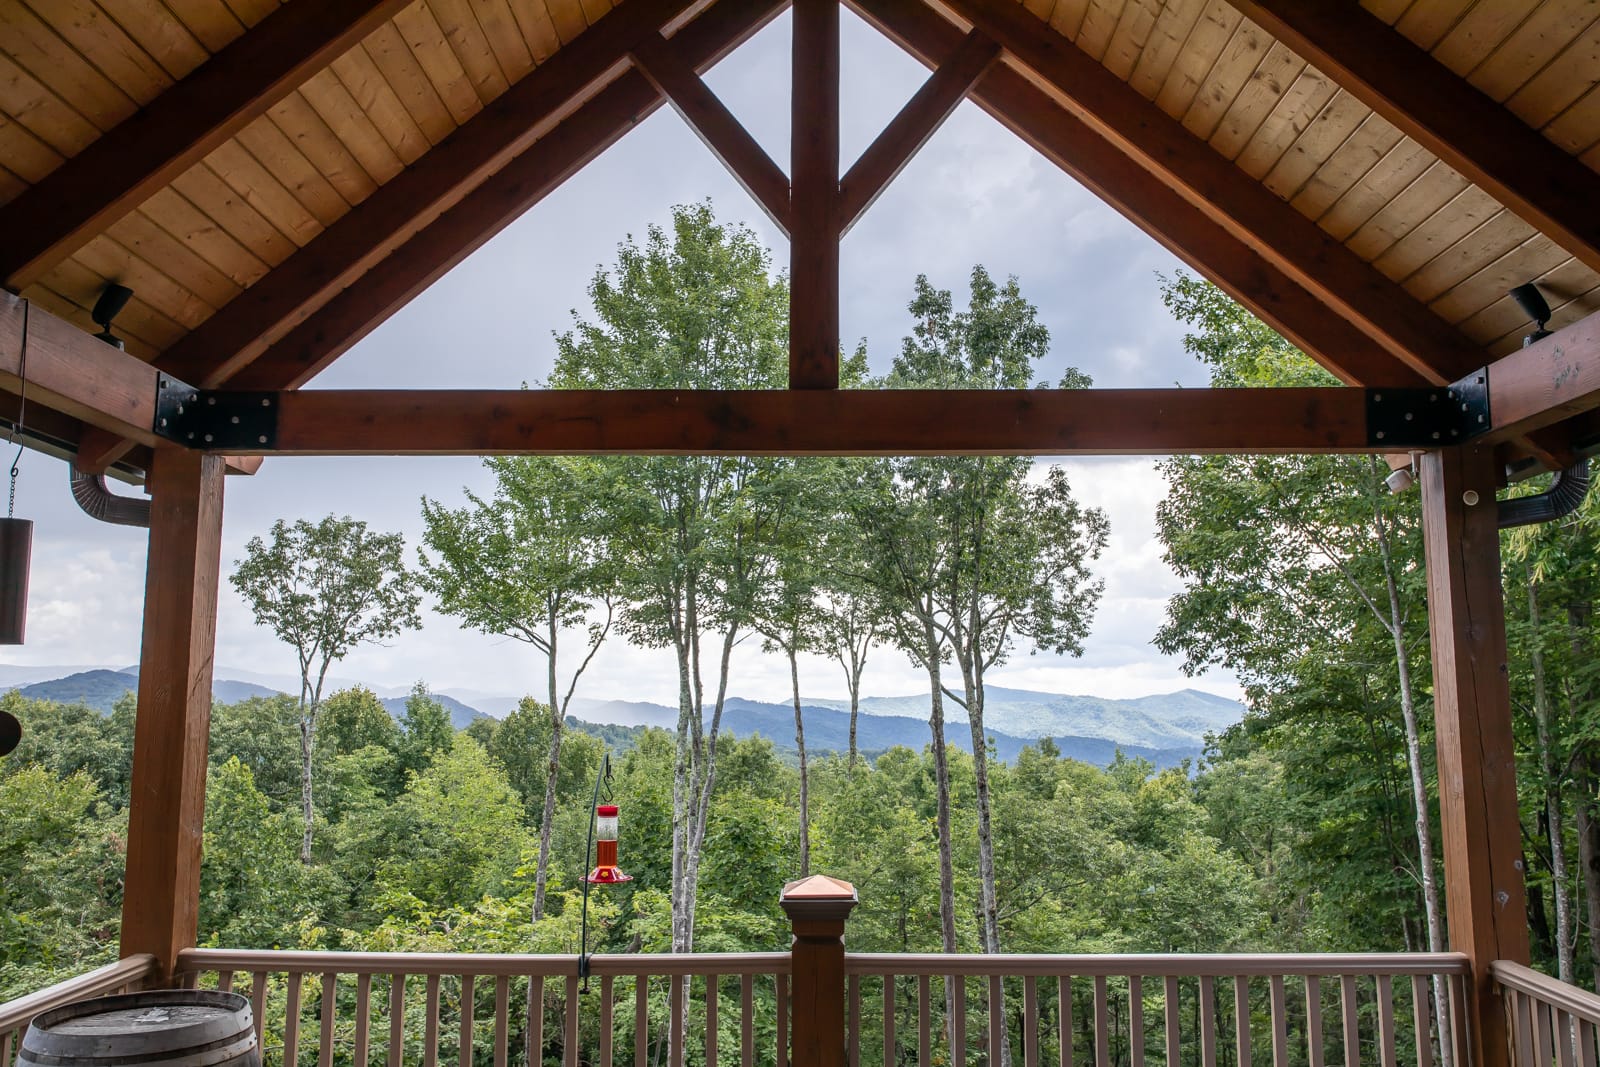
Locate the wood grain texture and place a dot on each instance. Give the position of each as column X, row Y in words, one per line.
column 166, row 807
column 813, row 197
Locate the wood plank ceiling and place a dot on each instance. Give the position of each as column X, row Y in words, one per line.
column 70, row 70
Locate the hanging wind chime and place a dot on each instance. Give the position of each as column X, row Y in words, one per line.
column 16, row 535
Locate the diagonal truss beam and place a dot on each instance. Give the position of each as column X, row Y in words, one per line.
column 116, row 173
column 708, row 116
column 1151, row 204
column 1488, row 144
column 909, row 130
column 1295, row 244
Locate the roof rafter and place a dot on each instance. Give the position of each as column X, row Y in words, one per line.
column 120, row 170
column 1488, row 144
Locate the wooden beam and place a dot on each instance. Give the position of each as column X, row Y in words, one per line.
column 1445, row 113
column 1548, row 382
column 166, row 808
column 1481, row 837
column 908, row 131
column 120, row 170
column 887, row 422
column 1084, row 153
column 1242, row 205
column 727, row 138
column 454, row 235
column 813, row 197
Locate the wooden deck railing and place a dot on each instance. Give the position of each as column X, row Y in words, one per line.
column 1550, row 1023
column 115, row 977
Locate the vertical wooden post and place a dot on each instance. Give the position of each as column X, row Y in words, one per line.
column 814, row 198
column 1472, row 712
column 161, row 896
column 817, row 908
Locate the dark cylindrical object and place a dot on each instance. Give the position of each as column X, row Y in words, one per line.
column 159, row 1028
column 99, row 502
column 1566, row 492
column 16, row 546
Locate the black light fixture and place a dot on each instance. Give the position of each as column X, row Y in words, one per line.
column 1533, row 305
column 113, row 298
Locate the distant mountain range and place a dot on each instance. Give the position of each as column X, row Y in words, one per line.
column 1164, row 729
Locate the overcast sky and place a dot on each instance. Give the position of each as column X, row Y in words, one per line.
column 975, row 194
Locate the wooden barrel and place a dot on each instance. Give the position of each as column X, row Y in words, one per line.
column 167, row 1027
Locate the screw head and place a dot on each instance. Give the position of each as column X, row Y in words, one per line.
column 1470, row 498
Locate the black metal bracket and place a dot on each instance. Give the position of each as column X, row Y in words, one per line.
column 1428, row 418
column 223, row 420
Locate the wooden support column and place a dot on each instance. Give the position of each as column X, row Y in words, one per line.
column 817, row 908
column 814, row 198
column 161, row 896
column 1472, row 710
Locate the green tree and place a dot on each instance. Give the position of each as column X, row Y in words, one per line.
column 324, row 588
column 252, row 889
column 425, row 731
column 354, row 718
column 262, row 733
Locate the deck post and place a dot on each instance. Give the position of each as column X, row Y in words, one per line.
column 1481, row 838
column 166, row 808
column 817, row 908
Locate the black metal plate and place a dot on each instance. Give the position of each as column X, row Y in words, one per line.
column 1428, row 418
column 215, row 419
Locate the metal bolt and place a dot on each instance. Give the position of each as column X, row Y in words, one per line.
column 208, row 437
column 180, row 409
column 211, row 401
column 163, row 422
column 1377, row 398
column 1379, row 435
column 1480, row 418
column 261, row 440
column 1436, row 435
column 1470, row 498
column 234, row 420
column 266, row 401
column 1408, row 416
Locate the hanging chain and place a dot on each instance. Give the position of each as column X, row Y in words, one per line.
column 22, row 412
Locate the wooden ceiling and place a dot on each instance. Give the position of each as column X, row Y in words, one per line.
column 363, row 118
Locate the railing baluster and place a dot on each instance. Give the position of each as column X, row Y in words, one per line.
column 889, row 1051
column 997, row 1017
column 1280, row 1021
column 1563, row 1028
column 1352, row 1020
column 1386, row 1051
column 5, row 1048
column 608, row 1028
column 569, row 1051
column 782, row 983
column 1586, row 1043
column 958, row 1036
column 1313, row 1021
column 430, row 1024
column 1102, row 1023
column 711, row 1020
column 1522, row 1028
column 291, row 1021
column 1170, row 1006
column 1136, row 1020
column 1064, row 1018
column 330, row 1012
column 853, row 1021
column 363, row 1019
column 641, row 1021
column 1208, row 1021
column 1241, row 1018
column 675, row 1033
column 535, row 1031
column 924, row 1019
column 1030, row 1023
column 224, row 983
column 1423, row 1016
column 397, row 1020
column 747, row 1020
column 258, row 1004
column 1540, row 1017
column 469, row 1010
column 502, row 1011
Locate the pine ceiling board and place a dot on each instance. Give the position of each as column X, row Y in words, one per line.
column 137, row 315
column 1560, row 84
column 1394, row 173
column 11, row 186
column 160, row 33
column 201, row 186
column 1333, row 125
column 595, row 10
column 41, row 112
column 200, row 233
column 426, row 40
column 1536, row 256
column 155, row 287
column 1099, row 23
column 1290, row 117
column 373, row 94
column 1359, row 153
column 1427, row 21
column 1193, row 63
column 338, row 110
column 566, row 19
column 1465, row 212
column 1067, row 17
column 1467, row 256
column 301, row 123
column 399, row 67
column 1560, row 285
column 1167, row 38
column 1578, row 127
column 1131, row 35
column 251, row 12
column 1040, row 9
column 24, row 155
column 511, row 50
column 1479, row 32
column 245, row 175
column 41, row 51
column 1407, row 210
column 88, row 29
column 1387, row 10
column 1229, row 75
column 1533, row 45
column 274, row 151
column 144, row 327
column 211, row 22
column 146, row 240
column 1278, row 70
column 470, row 47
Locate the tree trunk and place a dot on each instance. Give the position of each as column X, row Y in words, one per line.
column 1589, row 855
column 941, row 777
column 306, row 812
column 855, row 709
column 1543, row 714
column 541, row 871
column 800, row 745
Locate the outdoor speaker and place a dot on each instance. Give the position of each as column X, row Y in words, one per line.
column 16, row 545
